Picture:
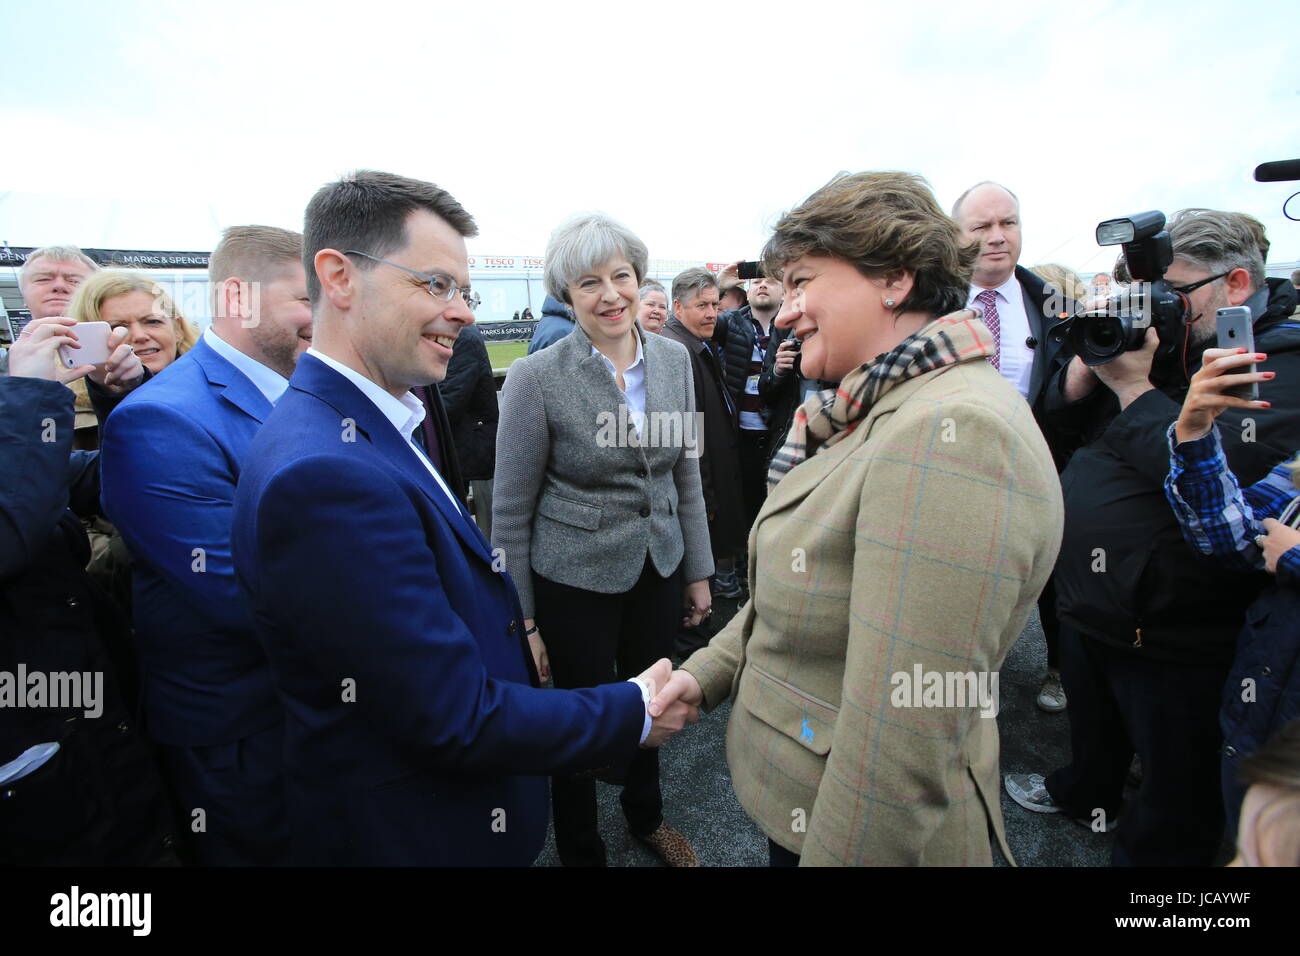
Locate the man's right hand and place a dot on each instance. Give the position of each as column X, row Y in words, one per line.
column 786, row 353
column 36, row 353
column 672, row 713
column 1080, row 380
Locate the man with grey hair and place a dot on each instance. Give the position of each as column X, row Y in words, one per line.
column 695, row 316
column 49, row 279
column 47, row 282
column 1148, row 630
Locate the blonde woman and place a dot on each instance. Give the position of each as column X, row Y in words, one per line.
column 1063, row 280
column 157, row 330
column 159, row 334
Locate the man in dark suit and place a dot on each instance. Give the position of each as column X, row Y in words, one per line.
column 414, row 732
column 695, row 316
column 171, row 458
column 469, row 393
column 1020, row 312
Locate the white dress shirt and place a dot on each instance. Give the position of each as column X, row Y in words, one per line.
column 405, row 413
column 268, row 381
column 634, row 377
column 1017, row 360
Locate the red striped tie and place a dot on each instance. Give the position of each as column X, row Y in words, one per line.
column 988, row 300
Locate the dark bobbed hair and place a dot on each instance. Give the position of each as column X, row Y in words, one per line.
column 881, row 223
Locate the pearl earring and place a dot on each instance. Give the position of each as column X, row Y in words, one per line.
column 889, row 303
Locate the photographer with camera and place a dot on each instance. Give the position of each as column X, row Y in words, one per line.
column 1148, row 628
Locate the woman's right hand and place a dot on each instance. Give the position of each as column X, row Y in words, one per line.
column 1206, row 399
column 36, row 353
column 540, row 660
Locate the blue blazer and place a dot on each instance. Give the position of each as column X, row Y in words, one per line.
column 412, row 733
column 170, row 457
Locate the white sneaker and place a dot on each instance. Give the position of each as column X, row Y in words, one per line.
column 1051, row 696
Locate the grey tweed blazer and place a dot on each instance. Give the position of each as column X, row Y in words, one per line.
column 576, row 502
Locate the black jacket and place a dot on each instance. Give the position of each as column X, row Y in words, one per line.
column 99, row 799
column 720, row 458
column 1125, row 576
column 469, row 394
column 734, row 335
column 781, row 392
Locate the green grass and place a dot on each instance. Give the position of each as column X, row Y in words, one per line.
column 502, row 354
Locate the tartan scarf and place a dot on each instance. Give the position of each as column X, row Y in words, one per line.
column 832, row 414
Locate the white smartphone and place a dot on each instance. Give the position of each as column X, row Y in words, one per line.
column 93, row 339
column 1236, row 332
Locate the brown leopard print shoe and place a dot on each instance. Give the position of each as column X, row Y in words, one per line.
column 671, row 847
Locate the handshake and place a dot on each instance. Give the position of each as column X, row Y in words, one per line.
column 675, row 699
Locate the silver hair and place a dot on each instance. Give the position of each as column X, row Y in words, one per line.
column 57, row 254
column 956, row 207
column 692, row 280
column 651, row 285
column 1218, row 241
column 584, row 242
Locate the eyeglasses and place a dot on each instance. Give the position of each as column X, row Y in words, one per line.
column 441, row 285
column 1193, row 286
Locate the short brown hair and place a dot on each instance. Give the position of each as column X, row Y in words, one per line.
column 252, row 253
column 367, row 210
column 881, row 223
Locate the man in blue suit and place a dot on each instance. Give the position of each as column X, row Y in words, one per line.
column 171, row 456
column 415, row 733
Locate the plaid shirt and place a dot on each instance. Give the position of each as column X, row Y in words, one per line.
column 1217, row 517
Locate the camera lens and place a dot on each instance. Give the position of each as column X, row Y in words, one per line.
column 1104, row 335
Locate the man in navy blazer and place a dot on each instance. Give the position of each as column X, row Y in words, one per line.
column 171, row 456
column 415, row 733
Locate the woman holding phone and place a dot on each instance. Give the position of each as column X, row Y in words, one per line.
column 1256, row 528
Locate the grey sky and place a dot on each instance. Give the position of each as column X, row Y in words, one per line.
column 153, row 126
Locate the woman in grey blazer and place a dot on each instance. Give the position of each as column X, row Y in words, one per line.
column 599, row 512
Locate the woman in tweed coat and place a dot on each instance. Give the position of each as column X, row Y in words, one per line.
column 913, row 517
column 598, row 510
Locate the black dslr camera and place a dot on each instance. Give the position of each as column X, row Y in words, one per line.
column 1100, row 335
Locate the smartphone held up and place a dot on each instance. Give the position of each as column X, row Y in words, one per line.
column 93, row 339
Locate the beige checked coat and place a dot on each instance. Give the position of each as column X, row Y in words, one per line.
column 922, row 538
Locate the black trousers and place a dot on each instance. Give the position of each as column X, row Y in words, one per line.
column 753, row 473
column 1167, row 712
column 594, row 639
column 778, row 857
column 1051, row 624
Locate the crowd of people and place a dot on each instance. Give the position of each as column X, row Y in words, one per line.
column 351, row 606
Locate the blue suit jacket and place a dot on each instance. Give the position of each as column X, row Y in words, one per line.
column 171, row 454
column 412, row 733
